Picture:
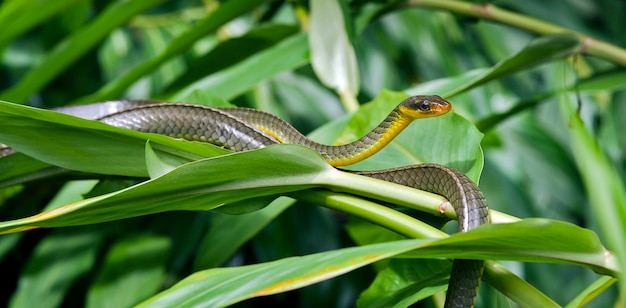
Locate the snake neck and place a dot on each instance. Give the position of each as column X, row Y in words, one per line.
column 368, row 145
column 335, row 155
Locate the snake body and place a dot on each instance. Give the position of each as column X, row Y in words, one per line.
column 241, row 129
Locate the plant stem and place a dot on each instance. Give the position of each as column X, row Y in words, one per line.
column 591, row 46
column 370, row 211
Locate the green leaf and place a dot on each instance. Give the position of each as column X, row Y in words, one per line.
column 72, row 48
column 332, row 56
column 155, row 165
column 592, row 291
column 233, row 81
column 225, row 286
column 539, row 50
column 449, row 140
column 133, row 270
column 230, row 53
column 200, row 185
column 89, row 146
column 558, row 242
column 603, row 184
column 529, row 240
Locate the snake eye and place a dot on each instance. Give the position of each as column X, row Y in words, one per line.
column 424, row 105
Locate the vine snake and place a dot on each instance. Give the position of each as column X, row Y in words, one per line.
column 241, row 129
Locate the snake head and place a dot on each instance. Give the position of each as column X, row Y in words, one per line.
column 424, row 106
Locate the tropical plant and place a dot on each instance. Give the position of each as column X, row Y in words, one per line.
column 94, row 215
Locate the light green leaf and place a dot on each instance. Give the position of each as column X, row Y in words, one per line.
column 332, row 56
column 155, row 165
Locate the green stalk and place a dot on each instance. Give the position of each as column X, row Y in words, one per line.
column 591, row 46
column 373, row 212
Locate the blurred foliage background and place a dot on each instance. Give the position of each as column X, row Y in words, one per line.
column 256, row 54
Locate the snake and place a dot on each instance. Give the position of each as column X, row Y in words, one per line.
column 243, row 129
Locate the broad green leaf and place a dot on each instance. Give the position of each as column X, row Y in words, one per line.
column 231, row 82
column 521, row 241
column 200, row 185
column 224, row 286
column 56, row 264
column 70, row 49
column 133, row 270
column 539, row 50
column 89, row 146
column 332, row 56
column 531, row 240
column 224, row 13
